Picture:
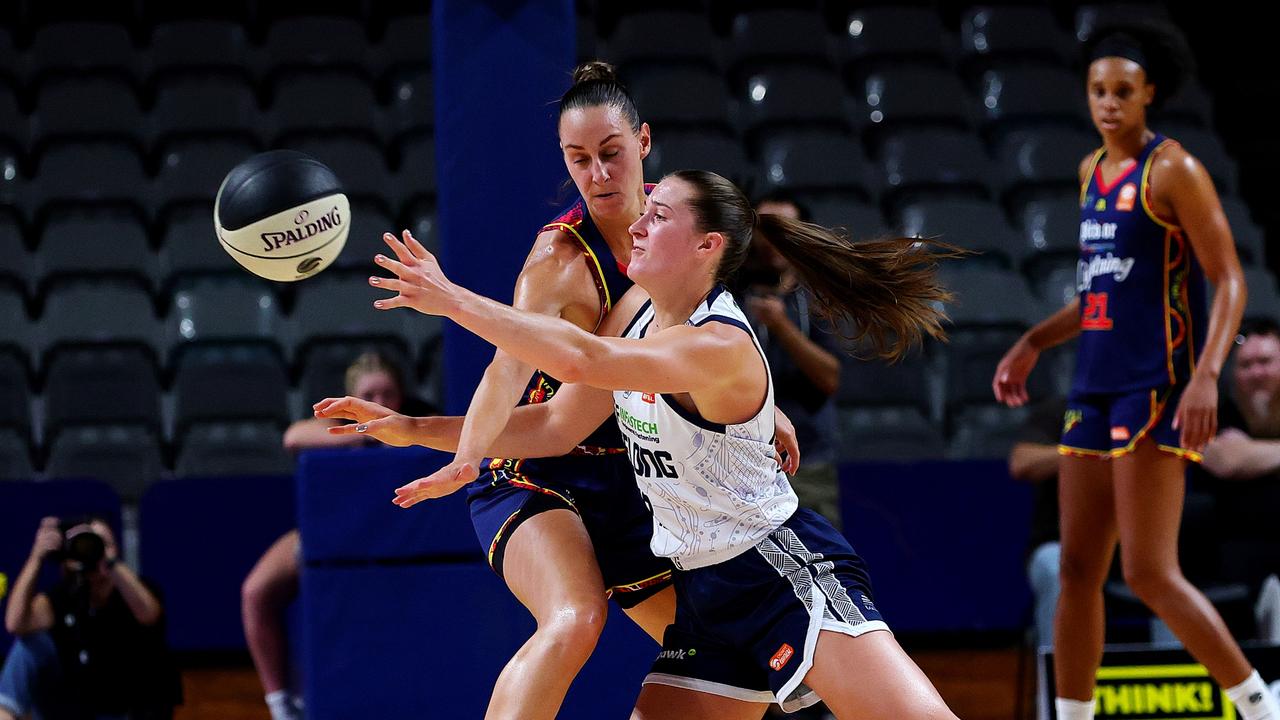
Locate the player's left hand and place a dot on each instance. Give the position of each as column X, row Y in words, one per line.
column 786, row 446
column 1196, row 419
column 445, row 481
column 419, row 281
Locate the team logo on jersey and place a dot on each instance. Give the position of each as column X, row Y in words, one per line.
column 1092, row 231
column 780, row 658
column 1071, row 419
column 1101, row 205
column 1119, row 432
column 1117, row 267
column 648, row 397
column 1128, row 195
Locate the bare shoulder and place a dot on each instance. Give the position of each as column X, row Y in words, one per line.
column 553, row 247
column 1173, row 162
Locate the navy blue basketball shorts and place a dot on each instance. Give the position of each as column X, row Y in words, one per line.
column 601, row 489
column 1109, row 425
column 747, row 628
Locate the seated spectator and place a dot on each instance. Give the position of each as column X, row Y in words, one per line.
column 1243, row 463
column 93, row 646
column 273, row 583
column 803, row 356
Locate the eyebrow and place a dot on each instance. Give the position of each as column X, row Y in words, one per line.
column 602, row 142
column 655, row 202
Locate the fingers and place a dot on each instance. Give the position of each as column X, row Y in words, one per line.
column 399, row 249
column 415, row 246
column 400, row 269
column 392, row 285
column 392, row 302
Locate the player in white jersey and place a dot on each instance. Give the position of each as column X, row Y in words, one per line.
column 772, row 602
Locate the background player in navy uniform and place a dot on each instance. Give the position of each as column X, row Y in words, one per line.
column 1144, row 398
column 772, row 603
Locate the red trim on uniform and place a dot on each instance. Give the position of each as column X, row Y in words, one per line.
column 621, row 268
column 1103, row 187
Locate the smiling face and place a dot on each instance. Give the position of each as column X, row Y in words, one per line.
column 1119, row 94
column 604, row 157
column 666, row 245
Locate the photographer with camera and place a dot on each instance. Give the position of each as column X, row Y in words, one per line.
column 92, row 647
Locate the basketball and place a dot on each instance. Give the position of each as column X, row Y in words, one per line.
column 282, row 215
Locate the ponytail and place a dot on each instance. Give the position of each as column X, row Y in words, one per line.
column 595, row 84
column 883, row 290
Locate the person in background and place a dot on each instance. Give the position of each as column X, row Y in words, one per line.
column 273, row 583
column 1242, row 464
column 803, row 356
column 92, row 647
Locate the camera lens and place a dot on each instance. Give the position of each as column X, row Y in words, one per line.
column 86, row 548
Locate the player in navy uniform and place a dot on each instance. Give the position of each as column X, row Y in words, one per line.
column 772, row 603
column 1144, row 396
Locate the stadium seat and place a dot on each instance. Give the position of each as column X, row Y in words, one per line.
column 190, row 245
column 84, row 310
column 816, row 161
column 206, row 104
column 1250, row 238
column 879, row 35
column 861, row 219
column 420, row 218
column 407, row 43
column 866, row 381
column 794, row 96
column 16, row 262
column 15, row 391
column 1057, row 284
column 413, row 103
column 96, row 241
column 988, row 297
column 1002, row 33
column 1046, row 159
column 16, row 329
column 101, row 385
column 15, row 456
column 224, row 307
column 98, row 46
column 10, row 64
column 315, row 41
column 333, row 306
column 192, row 170
column 128, row 458
column 1207, row 147
column 364, row 239
column 889, row 433
column 304, row 101
column 182, row 46
column 1091, row 17
column 898, row 96
column 699, row 149
column 61, row 105
column 677, row 98
column 358, row 162
column 1053, row 224
column 976, row 225
column 14, row 123
column 232, row 448
column 658, row 36
column 988, row 431
column 776, row 35
column 1021, row 95
column 13, row 185
column 416, row 177
column 935, row 160
column 77, row 172
column 229, row 382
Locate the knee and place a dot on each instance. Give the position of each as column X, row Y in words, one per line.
column 1149, row 581
column 574, row 627
column 1076, row 575
column 261, row 591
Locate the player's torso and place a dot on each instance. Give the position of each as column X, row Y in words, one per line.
column 1141, row 289
column 714, row 489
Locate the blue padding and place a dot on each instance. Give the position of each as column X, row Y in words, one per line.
column 24, row 503
column 346, row 515
column 946, row 542
column 200, row 537
column 411, row 641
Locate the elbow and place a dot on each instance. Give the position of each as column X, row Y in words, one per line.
column 150, row 616
column 829, row 384
column 575, row 366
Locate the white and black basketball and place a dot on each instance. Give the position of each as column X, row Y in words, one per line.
column 282, row 215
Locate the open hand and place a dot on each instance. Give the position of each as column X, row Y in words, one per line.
column 370, row 418
column 419, row 281
column 444, row 481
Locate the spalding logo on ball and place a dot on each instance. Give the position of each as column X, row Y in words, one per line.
column 282, row 215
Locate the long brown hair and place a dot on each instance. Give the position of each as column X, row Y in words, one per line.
column 885, row 291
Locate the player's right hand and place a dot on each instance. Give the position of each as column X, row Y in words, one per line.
column 446, row 480
column 370, row 418
column 1010, row 381
column 48, row 538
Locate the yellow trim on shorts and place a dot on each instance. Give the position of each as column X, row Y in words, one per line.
column 639, row 584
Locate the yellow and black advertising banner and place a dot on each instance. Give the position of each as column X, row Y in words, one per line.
column 1140, row 683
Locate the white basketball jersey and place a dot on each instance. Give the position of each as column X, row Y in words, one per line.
column 715, row 490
